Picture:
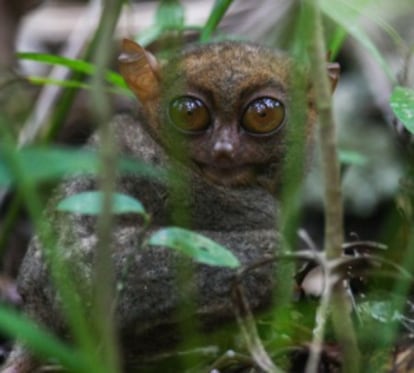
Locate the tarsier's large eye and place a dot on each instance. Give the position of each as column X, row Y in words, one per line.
column 189, row 114
column 263, row 115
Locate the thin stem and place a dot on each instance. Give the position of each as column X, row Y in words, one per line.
column 333, row 196
column 50, row 93
column 219, row 9
column 10, row 221
column 58, row 268
column 103, row 271
column 319, row 330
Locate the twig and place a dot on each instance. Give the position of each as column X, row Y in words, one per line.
column 304, row 236
column 228, row 358
column 368, row 244
column 315, row 349
column 247, row 325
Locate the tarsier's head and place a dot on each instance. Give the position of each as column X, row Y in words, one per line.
column 227, row 106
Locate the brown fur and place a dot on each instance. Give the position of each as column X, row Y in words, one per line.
column 227, row 76
column 225, row 199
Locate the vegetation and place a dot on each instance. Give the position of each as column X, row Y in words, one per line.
column 341, row 315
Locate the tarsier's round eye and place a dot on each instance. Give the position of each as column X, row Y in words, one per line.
column 263, row 115
column 189, row 114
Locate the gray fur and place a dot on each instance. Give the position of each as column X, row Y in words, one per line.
column 242, row 219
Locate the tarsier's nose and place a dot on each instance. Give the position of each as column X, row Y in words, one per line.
column 223, row 150
column 224, row 145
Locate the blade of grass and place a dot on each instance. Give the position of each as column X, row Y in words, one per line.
column 293, row 172
column 37, row 80
column 170, row 15
column 218, row 12
column 50, row 103
column 336, row 42
column 59, row 274
column 40, row 341
column 74, row 65
column 347, row 17
column 104, row 298
column 63, row 162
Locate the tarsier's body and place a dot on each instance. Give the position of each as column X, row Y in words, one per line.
column 227, row 107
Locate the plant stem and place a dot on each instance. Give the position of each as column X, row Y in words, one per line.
column 319, row 330
column 219, row 9
column 103, row 271
column 58, row 269
column 333, row 197
column 50, row 93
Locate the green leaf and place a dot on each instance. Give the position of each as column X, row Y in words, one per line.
column 197, row 246
column 218, row 12
column 170, row 15
column 379, row 311
column 90, row 203
column 5, row 178
column 336, row 42
column 402, row 103
column 39, row 341
column 72, row 64
column 37, row 80
column 351, row 157
column 49, row 163
column 346, row 14
column 149, row 35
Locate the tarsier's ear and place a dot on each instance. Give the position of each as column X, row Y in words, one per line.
column 140, row 70
column 334, row 70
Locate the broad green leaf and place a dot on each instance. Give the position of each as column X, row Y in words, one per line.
column 350, row 157
column 49, row 163
column 379, row 311
column 40, row 341
column 402, row 103
column 197, row 246
column 72, row 64
column 90, row 203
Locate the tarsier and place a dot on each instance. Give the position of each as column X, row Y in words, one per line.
column 227, row 107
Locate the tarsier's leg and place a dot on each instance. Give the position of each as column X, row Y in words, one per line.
column 20, row 361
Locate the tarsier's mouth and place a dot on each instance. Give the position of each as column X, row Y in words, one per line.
column 236, row 175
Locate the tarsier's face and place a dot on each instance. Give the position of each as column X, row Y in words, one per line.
column 225, row 150
column 229, row 106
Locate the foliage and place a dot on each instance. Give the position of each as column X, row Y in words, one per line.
column 90, row 203
column 198, row 247
column 75, row 65
column 30, row 166
column 61, row 162
column 402, row 102
column 41, row 341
